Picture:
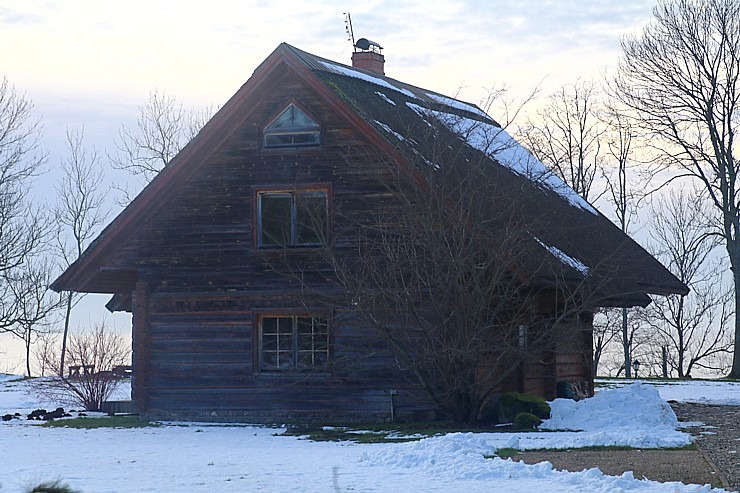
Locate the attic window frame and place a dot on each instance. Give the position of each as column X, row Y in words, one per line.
column 294, row 136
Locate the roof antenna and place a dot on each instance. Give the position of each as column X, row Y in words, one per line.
column 350, row 31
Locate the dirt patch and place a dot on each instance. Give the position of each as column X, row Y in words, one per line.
column 686, row 466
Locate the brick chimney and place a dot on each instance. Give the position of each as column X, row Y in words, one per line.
column 369, row 58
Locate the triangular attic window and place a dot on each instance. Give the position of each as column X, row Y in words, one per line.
column 292, row 128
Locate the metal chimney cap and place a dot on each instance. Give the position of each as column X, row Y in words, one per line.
column 367, row 45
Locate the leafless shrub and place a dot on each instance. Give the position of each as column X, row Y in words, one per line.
column 92, row 355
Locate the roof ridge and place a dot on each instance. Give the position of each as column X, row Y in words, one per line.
column 435, row 98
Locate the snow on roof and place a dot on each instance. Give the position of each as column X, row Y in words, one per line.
column 390, row 130
column 386, row 98
column 367, row 78
column 454, row 103
column 565, row 258
column 495, row 142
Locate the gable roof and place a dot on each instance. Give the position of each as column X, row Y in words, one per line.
column 391, row 113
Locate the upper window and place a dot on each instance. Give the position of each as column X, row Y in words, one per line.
column 293, row 342
column 293, row 128
column 292, row 218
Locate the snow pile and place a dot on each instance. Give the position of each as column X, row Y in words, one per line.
column 634, row 416
column 719, row 392
column 462, row 455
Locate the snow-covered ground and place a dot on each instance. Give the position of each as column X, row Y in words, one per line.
column 697, row 391
column 193, row 457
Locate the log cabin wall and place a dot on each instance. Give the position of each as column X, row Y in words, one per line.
column 204, row 283
column 209, row 282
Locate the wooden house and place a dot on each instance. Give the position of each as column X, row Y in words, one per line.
column 220, row 333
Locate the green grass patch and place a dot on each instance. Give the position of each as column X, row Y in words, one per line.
column 505, row 453
column 102, row 422
column 610, row 448
column 382, row 432
column 359, row 436
column 390, row 432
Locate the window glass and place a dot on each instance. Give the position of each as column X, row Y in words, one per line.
column 277, row 343
column 310, row 217
column 291, row 129
column 276, row 218
column 292, row 342
column 292, row 219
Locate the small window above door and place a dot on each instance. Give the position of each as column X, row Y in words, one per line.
column 292, row 128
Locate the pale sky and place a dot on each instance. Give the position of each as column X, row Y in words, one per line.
column 92, row 63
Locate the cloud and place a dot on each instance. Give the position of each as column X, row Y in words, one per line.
column 14, row 18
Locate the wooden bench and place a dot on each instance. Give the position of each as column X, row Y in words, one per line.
column 76, row 371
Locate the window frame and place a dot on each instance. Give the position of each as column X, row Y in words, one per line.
column 295, row 364
column 294, row 192
column 315, row 129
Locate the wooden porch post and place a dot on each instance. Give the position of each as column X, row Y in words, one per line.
column 140, row 336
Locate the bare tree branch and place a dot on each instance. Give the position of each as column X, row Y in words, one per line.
column 681, row 78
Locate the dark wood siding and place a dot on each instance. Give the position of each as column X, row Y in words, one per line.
column 203, row 282
column 208, row 280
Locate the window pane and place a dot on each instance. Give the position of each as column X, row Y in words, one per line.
column 311, row 218
column 290, row 342
column 285, row 360
column 313, row 341
column 292, row 118
column 285, row 325
column 277, row 343
column 306, row 139
column 292, row 139
column 275, row 219
column 269, row 360
column 292, row 128
column 269, row 342
column 269, row 325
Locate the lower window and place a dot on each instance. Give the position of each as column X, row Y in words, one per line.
column 293, row 342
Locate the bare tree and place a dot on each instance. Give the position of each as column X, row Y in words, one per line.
column 681, row 76
column 163, row 127
column 608, row 324
column 46, row 352
column 582, row 137
column 567, row 136
column 693, row 328
column 93, row 355
column 36, row 303
column 80, row 212
column 619, row 136
column 21, row 229
column 437, row 274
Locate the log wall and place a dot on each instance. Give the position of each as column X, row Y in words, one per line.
column 203, row 282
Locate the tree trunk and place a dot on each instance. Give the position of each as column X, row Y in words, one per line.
column 733, row 251
column 735, row 372
column 626, row 342
column 27, row 340
column 67, row 316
